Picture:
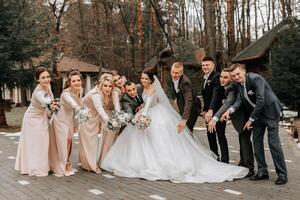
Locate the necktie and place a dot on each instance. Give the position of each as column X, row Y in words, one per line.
column 137, row 99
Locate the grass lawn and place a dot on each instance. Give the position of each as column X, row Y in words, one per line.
column 14, row 119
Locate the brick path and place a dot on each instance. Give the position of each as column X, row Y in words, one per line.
column 86, row 185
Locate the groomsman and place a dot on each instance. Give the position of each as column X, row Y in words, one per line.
column 132, row 100
column 238, row 119
column 212, row 94
column 189, row 105
column 255, row 91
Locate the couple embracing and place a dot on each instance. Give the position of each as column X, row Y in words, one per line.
column 166, row 149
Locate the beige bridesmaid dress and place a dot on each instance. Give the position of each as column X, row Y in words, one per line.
column 93, row 146
column 61, row 134
column 32, row 155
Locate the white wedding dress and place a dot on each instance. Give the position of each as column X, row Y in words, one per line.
column 160, row 153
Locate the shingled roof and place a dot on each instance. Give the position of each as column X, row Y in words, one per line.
column 258, row 48
column 67, row 63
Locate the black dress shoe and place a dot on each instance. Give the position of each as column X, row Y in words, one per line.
column 250, row 173
column 281, row 180
column 257, row 177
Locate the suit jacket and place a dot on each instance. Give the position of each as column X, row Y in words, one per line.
column 212, row 93
column 238, row 118
column 129, row 104
column 260, row 93
column 228, row 100
column 187, row 101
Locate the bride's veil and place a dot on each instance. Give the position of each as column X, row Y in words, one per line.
column 162, row 97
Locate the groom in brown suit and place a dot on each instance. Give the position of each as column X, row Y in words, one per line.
column 189, row 105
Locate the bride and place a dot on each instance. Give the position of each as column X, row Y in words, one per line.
column 159, row 152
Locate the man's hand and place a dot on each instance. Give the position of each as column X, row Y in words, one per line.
column 211, row 126
column 203, row 114
column 208, row 116
column 139, row 108
column 225, row 116
column 181, row 126
column 248, row 125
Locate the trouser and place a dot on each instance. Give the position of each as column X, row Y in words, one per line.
column 246, row 150
column 212, row 140
column 259, row 127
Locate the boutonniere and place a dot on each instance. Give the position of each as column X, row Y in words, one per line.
column 208, row 82
column 250, row 92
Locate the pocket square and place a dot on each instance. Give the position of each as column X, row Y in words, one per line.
column 250, row 92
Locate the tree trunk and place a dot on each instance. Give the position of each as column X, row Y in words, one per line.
column 3, row 122
column 230, row 29
column 219, row 26
column 182, row 8
column 283, row 12
column 24, row 101
column 100, row 62
column 210, row 27
column 255, row 20
column 141, row 34
column 248, row 35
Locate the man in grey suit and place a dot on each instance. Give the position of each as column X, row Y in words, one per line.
column 132, row 100
column 238, row 119
column 255, row 91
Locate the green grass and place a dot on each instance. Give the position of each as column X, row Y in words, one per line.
column 14, row 119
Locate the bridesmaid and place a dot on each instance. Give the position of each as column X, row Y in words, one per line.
column 64, row 126
column 32, row 156
column 118, row 84
column 99, row 102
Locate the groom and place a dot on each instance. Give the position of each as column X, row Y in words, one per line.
column 189, row 105
column 132, row 100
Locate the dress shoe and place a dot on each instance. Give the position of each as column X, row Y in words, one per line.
column 250, row 173
column 281, row 180
column 257, row 177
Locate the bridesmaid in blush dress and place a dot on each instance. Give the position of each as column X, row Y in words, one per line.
column 100, row 103
column 64, row 126
column 32, row 155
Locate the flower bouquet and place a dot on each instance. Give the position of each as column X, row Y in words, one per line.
column 123, row 117
column 142, row 121
column 49, row 102
column 113, row 123
column 117, row 120
column 82, row 115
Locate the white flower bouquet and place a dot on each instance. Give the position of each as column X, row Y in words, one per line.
column 82, row 115
column 49, row 102
column 142, row 121
column 117, row 120
column 123, row 117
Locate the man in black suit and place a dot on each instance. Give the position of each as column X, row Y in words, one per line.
column 189, row 105
column 132, row 100
column 255, row 91
column 212, row 94
column 238, row 119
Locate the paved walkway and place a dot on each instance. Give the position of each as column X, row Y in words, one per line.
column 86, row 185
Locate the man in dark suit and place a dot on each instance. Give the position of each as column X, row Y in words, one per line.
column 189, row 105
column 238, row 119
column 132, row 100
column 255, row 91
column 212, row 94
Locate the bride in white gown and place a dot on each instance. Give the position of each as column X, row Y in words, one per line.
column 159, row 152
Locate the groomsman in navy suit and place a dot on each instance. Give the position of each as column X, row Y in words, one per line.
column 255, row 91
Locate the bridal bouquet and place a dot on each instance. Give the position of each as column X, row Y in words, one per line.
column 142, row 121
column 123, row 117
column 82, row 115
column 113, row 123
column 117, row 120
column 49, row 102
